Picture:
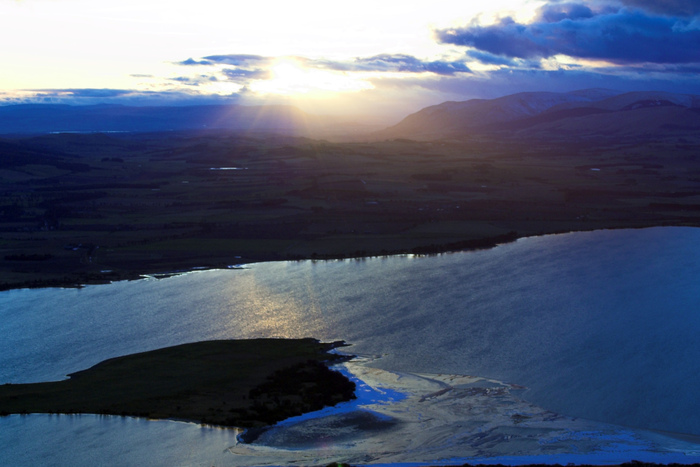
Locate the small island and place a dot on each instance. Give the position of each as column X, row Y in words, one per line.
column 241, row 383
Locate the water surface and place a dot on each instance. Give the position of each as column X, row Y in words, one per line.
column 600, row 325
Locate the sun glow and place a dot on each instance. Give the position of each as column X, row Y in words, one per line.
column 291, row 78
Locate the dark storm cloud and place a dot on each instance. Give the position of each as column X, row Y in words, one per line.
column 506, row 38
column 623, row 36
column 561, row 11
column 667, row 7
column 490, row 59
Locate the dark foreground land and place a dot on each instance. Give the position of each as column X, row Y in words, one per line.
column 90, row 208
column 243, row 383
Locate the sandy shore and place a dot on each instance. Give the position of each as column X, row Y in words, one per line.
column 414, row 419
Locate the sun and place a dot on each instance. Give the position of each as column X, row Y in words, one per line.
column 288, row 72
column 289, row 77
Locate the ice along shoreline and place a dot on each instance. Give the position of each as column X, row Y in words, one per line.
column 426, row 419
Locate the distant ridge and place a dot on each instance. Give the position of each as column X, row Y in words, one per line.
column 48, row 118
column 583, row 114
column 587, row 113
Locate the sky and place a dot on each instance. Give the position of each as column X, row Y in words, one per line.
column 384, row 58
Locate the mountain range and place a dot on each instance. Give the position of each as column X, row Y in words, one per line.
column 589, row 113
column 584, row 114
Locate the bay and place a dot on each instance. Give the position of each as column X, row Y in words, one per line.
column 600, row 325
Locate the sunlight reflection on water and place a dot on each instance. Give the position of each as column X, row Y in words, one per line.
column 596, row 324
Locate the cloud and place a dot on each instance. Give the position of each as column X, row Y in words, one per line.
column 242, row 74
column 186, row 80
column 391, row 63
column 88, row 96
column 194, row 80
column 667, row 7
column 88, row 93
column 504, row 81
column 400, row 63
column 560, row 11
column 616, row 35
column 238, row 60
column 491, row 59
column 254, row 66
column 192, row 62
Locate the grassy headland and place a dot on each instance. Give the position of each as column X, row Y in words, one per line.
column 244, row 383
column 77, row 209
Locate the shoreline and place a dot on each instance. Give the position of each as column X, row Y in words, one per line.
column 113, row 276
column 484, row 243
column 417, row 419
column 95, row 221
column 429, row 419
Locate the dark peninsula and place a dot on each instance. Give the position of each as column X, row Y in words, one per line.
column 242, row 383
